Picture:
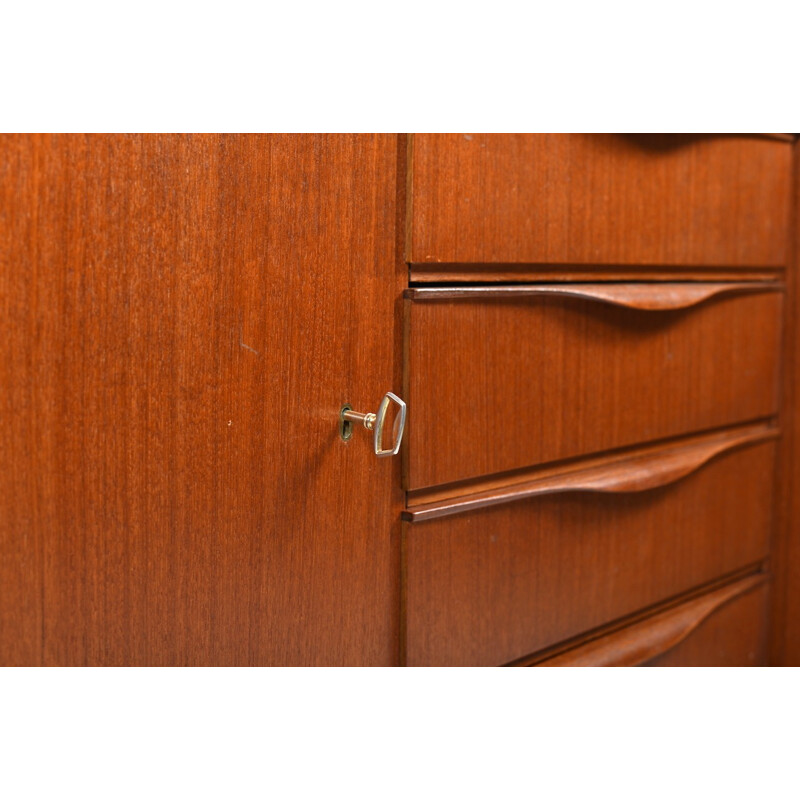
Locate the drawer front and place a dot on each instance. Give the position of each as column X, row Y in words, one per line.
column 494, row 585
column 725, row 627
column 498, row 383
column 598, row 199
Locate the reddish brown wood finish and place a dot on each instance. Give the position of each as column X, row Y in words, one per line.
column 597, row 199
column 725, row 628
column 499, row 384
column 494, row 585
column 183, row 319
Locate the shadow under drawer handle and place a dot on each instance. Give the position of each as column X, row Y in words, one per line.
column 642, row 296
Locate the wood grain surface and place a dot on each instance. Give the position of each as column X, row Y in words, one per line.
column 497, row 584
column 724, row 627
column 183, row 318
column 598, row 200
column 502, row 384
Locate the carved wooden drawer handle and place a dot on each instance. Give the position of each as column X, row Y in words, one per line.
column 631, row 473
column 642, row 296
column 654, row 636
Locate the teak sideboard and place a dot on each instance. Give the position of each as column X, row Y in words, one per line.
column 594, row 335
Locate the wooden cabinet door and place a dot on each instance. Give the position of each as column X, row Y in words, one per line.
column 183, row 318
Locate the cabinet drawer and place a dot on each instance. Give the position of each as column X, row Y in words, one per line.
column 722, row 628
column 507, row 378
column 493, row 585
column 597, row 199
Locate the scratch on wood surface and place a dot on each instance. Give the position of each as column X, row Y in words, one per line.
column 241, row 329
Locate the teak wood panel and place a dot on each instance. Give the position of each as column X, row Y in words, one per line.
column 733, row 636
column 597, row 199
column 495, row 585
column 183, row 318
column 700, row 631
column 497, row 384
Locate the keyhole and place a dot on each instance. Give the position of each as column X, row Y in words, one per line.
column 345, row 426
